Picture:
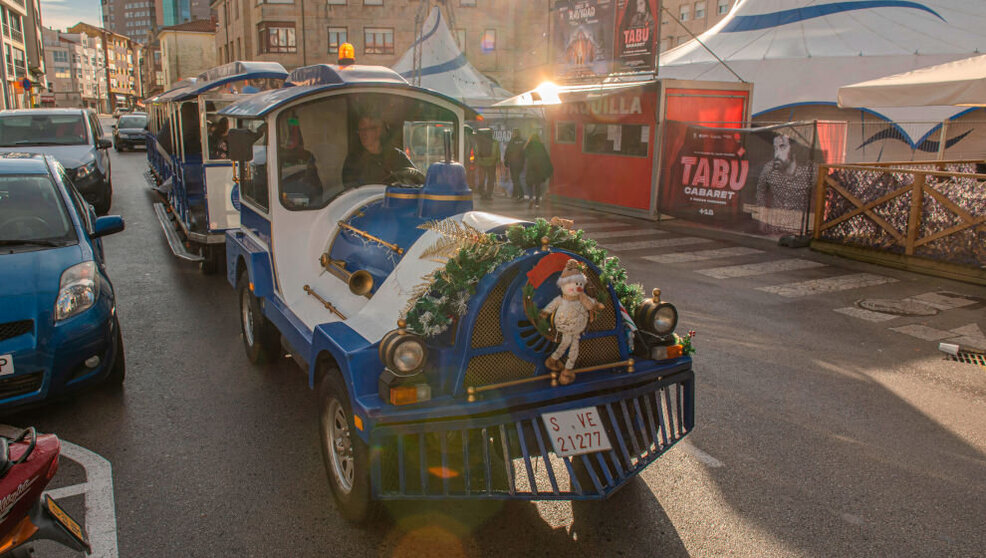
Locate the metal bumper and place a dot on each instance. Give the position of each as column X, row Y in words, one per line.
column 509, row 455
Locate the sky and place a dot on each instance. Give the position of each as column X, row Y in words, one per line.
column 60, row 14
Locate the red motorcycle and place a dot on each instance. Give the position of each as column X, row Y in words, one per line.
column 27, row 464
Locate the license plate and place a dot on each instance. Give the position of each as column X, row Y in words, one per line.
column 576, row 431
column 63, row 519
column 6, row 364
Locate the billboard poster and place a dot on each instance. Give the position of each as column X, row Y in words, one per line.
column 751, row 180
column 582, row 39
column 636, row 35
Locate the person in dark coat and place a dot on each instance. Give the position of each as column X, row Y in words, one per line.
column 538, row 168
column 487, row 158
column 514, row 159
column 374, row 162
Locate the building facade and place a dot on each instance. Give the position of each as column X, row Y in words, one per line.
column 507, row 40
column 187, row 50
column 121, row 67
column 75, row 63
column 14, row 14
column 680, row 17
column 504, row 40
column 139, row 19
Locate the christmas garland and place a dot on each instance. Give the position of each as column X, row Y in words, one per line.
column 445, row 295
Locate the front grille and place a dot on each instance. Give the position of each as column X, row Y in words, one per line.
column 487, row 331
column 13, row 329
column 509, row 455
column 497, row 367
column 21, row 384
column 598, row 350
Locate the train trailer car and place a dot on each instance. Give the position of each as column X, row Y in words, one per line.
column 188, row 160
column 454, row 353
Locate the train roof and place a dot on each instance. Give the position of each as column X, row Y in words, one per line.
column 323, row 77
column 219, row 76
column 174, row 92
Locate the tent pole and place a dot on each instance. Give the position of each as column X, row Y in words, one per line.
column 941, row 140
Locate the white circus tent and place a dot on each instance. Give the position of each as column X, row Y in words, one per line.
column 799, row 52
column 445, row 69
column 958, row 83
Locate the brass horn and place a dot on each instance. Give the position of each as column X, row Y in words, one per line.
column 361, row 282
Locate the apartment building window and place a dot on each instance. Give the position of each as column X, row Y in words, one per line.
column 239, row 50
column 684, row 12
column 378, row 40
column 10, row 61
column 337, row 36
column 373, row 2
column 276, row 37
column 460, row 37
column 699, row 10
column 20, row 63
column 236, row 9
column 724, row 6
column 16, row 30
column 488, row 44
column 468, row 3
column 259, row 2
column 337, row 2
column 59, row 56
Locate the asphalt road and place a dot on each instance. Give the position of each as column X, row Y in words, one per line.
column 818, row 433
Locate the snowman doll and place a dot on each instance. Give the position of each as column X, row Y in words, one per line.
column 573, row 310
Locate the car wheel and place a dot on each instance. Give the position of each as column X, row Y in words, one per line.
column 261, row 340
column 346, row 456
column 119, row 370
column 213, row 259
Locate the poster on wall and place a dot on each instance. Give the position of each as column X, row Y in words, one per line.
column 636, row 35
column 582, row 39
column 751, row 180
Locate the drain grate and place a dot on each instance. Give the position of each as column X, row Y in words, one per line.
column 968, row 358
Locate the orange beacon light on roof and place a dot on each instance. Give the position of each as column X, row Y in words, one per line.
column 347, row 54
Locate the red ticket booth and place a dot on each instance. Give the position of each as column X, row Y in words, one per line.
column 605, row 138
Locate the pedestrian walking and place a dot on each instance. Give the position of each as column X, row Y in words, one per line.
column 514, row 159
column 487, row 160
column 538, row 168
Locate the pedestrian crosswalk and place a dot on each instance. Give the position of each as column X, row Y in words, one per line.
column 788, row 278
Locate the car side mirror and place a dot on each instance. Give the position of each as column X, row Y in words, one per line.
column 103, row 143
column 240, row 144
column 107, row 224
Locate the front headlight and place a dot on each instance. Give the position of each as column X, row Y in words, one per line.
column 85, row 170
column 402, row 352
column 657, row 317
column 76, row 290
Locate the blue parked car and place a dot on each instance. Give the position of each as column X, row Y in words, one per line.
column 58, row 326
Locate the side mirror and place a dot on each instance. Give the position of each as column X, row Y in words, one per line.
column 104, row 143
column 108, row 224
column 240, row 144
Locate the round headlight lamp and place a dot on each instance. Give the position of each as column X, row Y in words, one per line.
column 657, row 317
column 665, row 319
column 402, row 352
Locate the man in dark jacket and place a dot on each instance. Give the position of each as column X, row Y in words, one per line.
column 514, row 159
column 376, row 163
column 487, row 158
column 538, row 168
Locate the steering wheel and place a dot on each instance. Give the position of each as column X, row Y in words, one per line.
column 28, row 223
column 409, row 176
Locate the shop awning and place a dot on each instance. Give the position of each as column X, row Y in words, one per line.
column 958, row 83
column 548, row 94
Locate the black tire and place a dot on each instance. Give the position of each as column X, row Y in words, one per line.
column 341, row 446
column 119, row 370
column 102, row 205
column 213, row 259
column 261, row 340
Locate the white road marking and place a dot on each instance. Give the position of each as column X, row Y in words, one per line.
column 700, row 255
column 923, row 332
column 602, row 225
column 972, row 336
column 625, row 233
column 701, row 456
column 68, row 491
column 864, row 314
column 662, row 243
column 762, row 268
column 100, row 506
column 829, row 285
column 941, row 302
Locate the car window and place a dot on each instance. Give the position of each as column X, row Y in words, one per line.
column 97, row 130
column 41, row 129
column 81, row 205
column 132, row 121
column 32, row 209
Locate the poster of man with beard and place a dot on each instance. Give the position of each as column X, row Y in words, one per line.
column 636, row 35
column 582, row 39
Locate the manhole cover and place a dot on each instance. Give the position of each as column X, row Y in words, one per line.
column 897, row 307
